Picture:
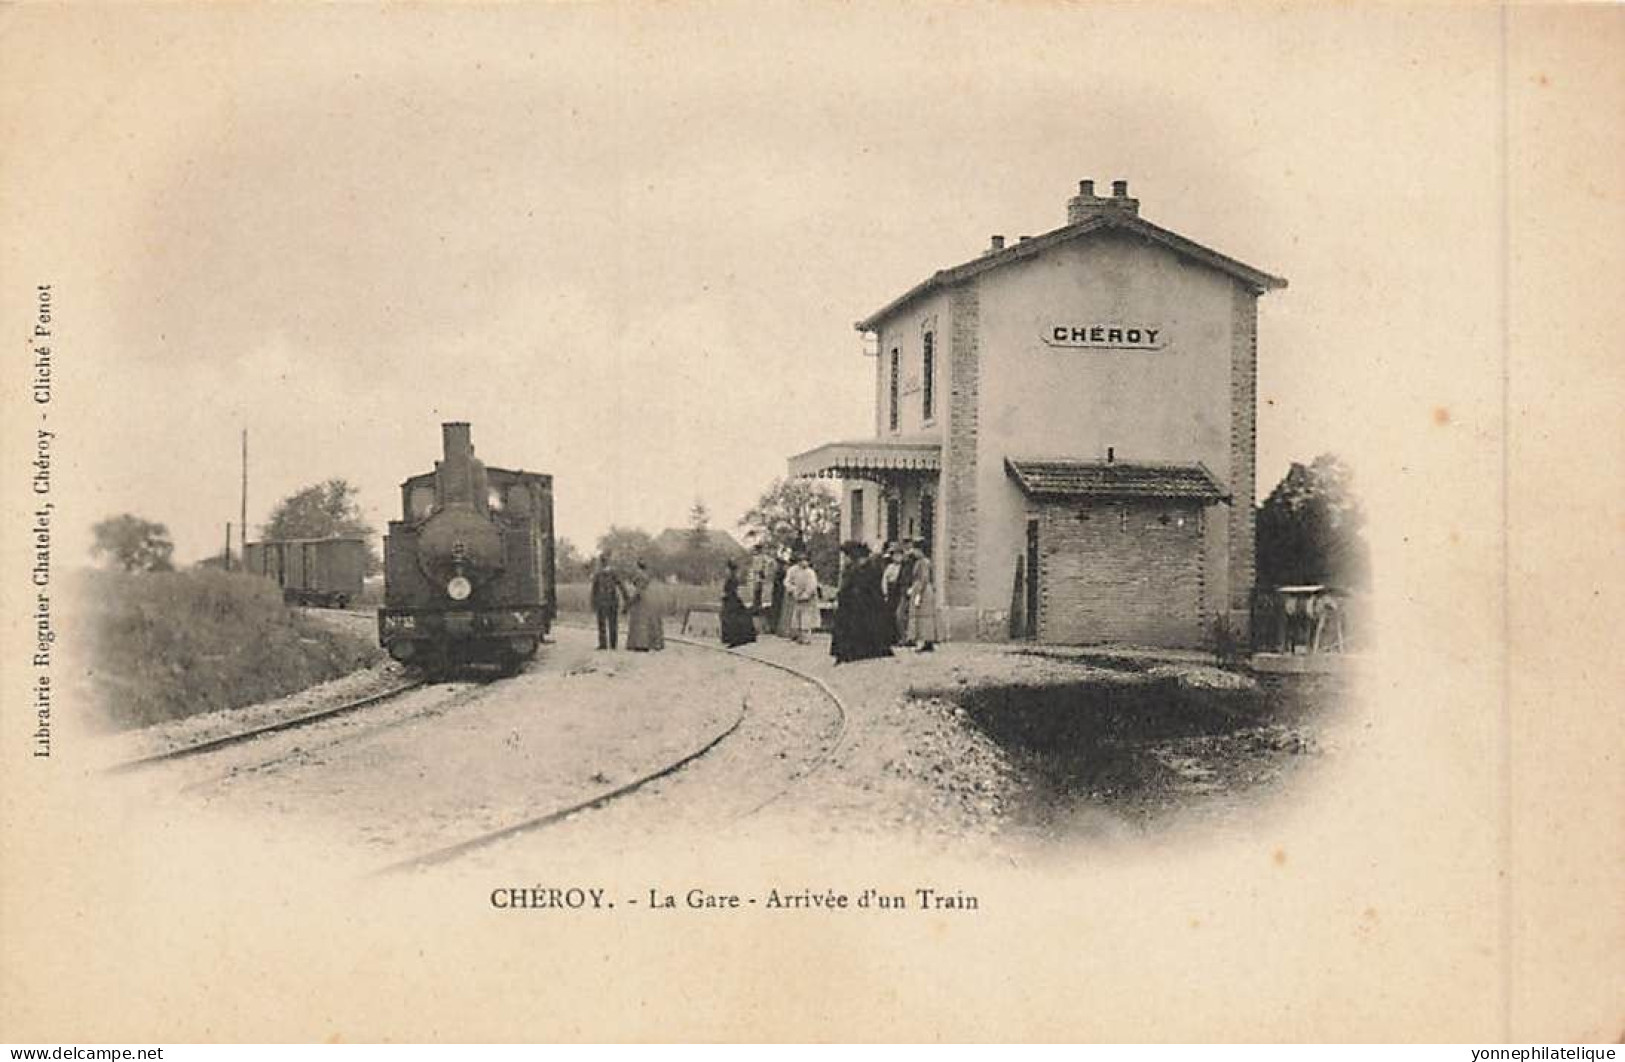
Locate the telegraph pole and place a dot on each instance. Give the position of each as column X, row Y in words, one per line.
column 242, row 526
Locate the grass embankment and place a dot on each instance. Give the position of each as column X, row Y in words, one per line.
column 670, row 599
column 174, row 644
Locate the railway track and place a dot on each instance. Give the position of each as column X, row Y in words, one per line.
column 252, row 733
column 598, row 801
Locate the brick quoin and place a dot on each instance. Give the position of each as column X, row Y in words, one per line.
column 959, row 465
column 1116, row 572
column 1243, row 454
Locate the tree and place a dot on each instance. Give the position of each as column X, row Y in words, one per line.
column 1309, row 528
column 325, row 510
column 700, row 561
column 801, row 516
column 569, row 566
column 626, row 545
column 133, row 544
column 699, row 526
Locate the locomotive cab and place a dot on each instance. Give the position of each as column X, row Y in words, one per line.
column 469, row 569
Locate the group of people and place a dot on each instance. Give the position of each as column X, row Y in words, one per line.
column 886, row 599
column 610, row 591
column 791, row 593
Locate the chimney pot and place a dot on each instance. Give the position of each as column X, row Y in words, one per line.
column 1120, row 189
column 998, row 244
column 1111, row 455
column 1086, row 188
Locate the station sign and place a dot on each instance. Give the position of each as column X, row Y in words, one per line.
column 1104, row 336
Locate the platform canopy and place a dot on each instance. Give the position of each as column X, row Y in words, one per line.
column 870, row 459
column 1060, row 478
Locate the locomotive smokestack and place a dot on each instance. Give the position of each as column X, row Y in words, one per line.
column 458, row 470
column 458, row 438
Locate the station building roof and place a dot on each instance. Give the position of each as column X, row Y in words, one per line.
column 1105, row 220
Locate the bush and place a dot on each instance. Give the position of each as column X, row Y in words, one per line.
column 173, row 644
column 1228, row 647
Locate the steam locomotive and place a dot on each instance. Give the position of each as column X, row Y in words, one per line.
column 469, row 569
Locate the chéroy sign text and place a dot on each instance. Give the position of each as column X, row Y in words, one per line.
column 1104, row 336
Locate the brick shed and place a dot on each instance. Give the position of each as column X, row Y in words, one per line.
column 1068, row 421
column 1115, row 552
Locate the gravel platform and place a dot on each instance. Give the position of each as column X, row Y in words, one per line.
column 977, row 750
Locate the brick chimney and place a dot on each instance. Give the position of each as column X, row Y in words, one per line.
column 1086, row 204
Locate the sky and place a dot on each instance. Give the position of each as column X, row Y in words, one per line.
column 628, row 242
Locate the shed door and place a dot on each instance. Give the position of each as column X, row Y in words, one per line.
column 1032, row 579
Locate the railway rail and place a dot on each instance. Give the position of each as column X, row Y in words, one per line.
column 251, row 733
column 598, row 801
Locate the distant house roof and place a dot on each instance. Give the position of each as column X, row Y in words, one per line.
column 676, row 540
column 1255, row 279
column 1047, row 478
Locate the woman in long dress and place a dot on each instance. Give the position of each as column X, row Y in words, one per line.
column 644, row 630
column 863, row 624
column 922, row 604
column 778, row 616
column 737, row 626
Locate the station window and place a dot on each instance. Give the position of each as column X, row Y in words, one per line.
column 928, row 377
column 896, row 384
column 857, row 514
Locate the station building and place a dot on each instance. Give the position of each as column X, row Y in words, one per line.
column 1068, row 422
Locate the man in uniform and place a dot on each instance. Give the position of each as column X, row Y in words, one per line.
column 607, row 592
column 904, row 584
column 761, row 576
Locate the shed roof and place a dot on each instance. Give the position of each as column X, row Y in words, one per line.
column 1051, row 478
column 1256, row 280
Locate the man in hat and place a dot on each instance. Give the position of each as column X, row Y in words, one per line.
column 607, row 592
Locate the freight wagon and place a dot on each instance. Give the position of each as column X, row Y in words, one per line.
column 311, row 571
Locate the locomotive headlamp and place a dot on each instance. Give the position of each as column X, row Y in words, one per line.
column 459, row 588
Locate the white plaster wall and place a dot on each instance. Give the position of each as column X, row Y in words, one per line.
column 1169, row 405
column 906, row 331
